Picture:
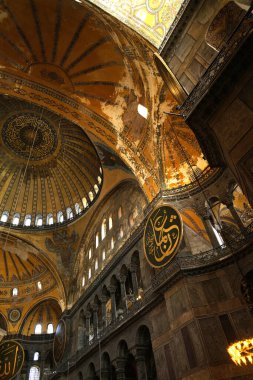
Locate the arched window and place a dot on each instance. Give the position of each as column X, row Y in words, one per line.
column 38, row 328
column 96, row 188
column 50, row 219
column 60, row 217
column 36, row 356
column 112, row 243
column 28, row 220
column 83, row 281
column 97, row 240
column 89, row 273
column 69, row 213
column 34, row 373
column 50, row 328
column 103, row 229
column 14, row 292
column 103, row 255
column 39, row 285
column 85, row 203
column 5, row 216
column 96, row 264
column 120, row 212
column 38, row 220
column 89, row 253
column 15, row 220
column 121, row 233
column 110, row 222
column 131, row 220
column 100, row 169
column 99, row 180
column 91, row 196
column 77, row 208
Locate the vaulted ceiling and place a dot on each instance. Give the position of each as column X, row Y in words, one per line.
column 80, row 74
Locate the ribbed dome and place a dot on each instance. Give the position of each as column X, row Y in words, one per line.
column 50, row 170
column 47, row 312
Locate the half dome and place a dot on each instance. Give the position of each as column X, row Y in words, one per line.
column 50, row 170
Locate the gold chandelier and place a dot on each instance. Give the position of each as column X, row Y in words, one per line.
column 242, row 352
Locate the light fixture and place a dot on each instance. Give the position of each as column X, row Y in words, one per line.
column 242, row 352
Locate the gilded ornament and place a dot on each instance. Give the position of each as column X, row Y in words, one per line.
column 162, row 235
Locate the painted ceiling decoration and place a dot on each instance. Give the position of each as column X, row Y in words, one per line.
column 50, row 170
column 150, row 18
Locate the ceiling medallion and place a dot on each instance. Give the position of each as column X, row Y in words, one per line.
column 29, row 136
column 14, row 315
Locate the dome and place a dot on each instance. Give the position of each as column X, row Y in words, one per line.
column 50, row 170
column 44, row 314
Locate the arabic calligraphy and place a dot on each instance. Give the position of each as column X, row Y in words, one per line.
column 59, row 341
column 162, row 235
column 11, row 359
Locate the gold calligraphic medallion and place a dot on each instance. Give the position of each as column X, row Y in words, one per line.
column 11, row 359
column 59, row 341
column 162, row 235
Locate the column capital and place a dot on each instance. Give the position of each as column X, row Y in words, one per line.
column 112, row 289
column 94, row 307
column 122, row 278
column 87, row 314
column 103, row 299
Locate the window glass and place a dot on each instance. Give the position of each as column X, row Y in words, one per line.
column 110, row 222
column 103, row 229
column 28, row 220
column 38, row 328
column 36, row 356
column 34, row 373
column 96, row 264
column 50, row 328
column 50, row 219
column 39, row 284
column 97, row 240
column 15, row 292
column 60, row 218
column 38, row 220
column 5, row 216
column 77, row 208
column 91, row 196
column 15, row 220
column 69, row 213
column 103, row 255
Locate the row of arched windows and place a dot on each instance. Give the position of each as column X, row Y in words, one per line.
column 14, row 291
column 38, row 329
column 50, row 219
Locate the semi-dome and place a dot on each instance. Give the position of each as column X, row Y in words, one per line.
column 50, row 170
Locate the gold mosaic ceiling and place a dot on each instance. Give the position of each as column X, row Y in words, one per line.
column 81, row 63
column 48, row 166
column 151, row 18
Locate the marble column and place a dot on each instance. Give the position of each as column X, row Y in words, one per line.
column 141, row 363
column 133, row 271
column 235, row 216
column 120, row 369
column 103, row 300
column 112, row 291
column 87, row 326
column 95, row 320
column 123, row 292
